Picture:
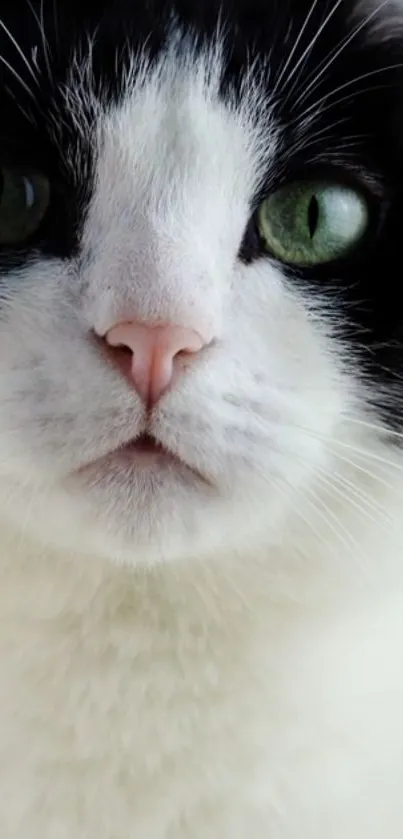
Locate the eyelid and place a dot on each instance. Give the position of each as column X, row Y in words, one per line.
column 369, row 184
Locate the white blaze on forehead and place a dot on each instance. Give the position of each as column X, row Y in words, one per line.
column 176, row 138
column 176, row 168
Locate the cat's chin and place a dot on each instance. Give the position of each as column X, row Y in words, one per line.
column 139, row 506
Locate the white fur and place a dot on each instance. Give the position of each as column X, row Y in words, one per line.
column 184, row 659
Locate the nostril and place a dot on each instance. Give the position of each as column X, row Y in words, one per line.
column 120, row 357
column 183, row 359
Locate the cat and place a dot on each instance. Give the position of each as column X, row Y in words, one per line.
column 201, row 419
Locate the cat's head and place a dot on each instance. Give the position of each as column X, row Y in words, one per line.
column 216, row 188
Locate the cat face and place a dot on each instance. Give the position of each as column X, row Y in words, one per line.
column 237, row 175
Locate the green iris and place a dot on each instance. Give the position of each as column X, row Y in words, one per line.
column 24, row 200
column 311, row 223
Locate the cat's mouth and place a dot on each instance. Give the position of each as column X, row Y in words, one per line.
column 143, row 452
column 146, row 444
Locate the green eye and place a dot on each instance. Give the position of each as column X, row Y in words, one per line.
column 311, row 223
column 24, row 199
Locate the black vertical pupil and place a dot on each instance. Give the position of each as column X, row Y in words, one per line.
column 313, row 216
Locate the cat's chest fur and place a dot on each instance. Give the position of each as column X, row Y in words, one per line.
column 177, row 705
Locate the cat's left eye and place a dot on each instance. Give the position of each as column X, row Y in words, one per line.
column 24, row 200
column 311, row 223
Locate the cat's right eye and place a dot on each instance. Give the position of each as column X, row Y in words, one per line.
column 24, row 200
column 314, row 222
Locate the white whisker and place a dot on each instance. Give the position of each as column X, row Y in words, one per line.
column 45, row 42
column 28, row 116
column 370, row 456
column 18, row 78
column 333, row 523
column 362, row 453
column 350, row 500
column 319, row 72
column 20, row 51
column 312, row 43
column 317, row 105
column 379, row 429
column 295, row 47
column 331, row 477
column 363, row 496
column 357, row 467
column 310, row 525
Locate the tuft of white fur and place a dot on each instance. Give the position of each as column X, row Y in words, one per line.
column 187, row 657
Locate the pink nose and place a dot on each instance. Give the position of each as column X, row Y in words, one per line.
column 156, row 353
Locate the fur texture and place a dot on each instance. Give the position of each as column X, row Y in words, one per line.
column 205, row 648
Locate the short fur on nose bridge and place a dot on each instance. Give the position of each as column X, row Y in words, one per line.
column 155, row 351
